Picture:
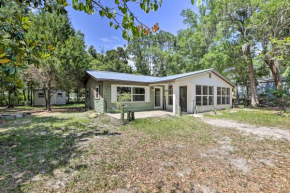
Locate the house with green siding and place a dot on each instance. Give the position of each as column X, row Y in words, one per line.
column 200, row 91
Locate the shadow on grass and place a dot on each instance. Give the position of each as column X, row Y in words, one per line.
column 38, row 145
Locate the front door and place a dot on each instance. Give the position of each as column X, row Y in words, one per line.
column 158, row 97
column 183, row 98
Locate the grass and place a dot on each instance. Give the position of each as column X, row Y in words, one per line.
column 268, row 118
column 28, row 108
column 70, row 152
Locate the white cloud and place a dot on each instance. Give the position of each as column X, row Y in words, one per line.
column 113, row 42
column 105, row 40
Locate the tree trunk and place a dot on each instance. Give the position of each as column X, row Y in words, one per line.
column 31, row 92
column 68, row 97
column 275, row 72
column 10, row 105
column 45, row 98
column 77, row 96
column 254, row 95
column 28, row 93
column 48, row 96
column 24, row 95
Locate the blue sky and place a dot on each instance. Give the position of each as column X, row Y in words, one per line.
column 99, row 33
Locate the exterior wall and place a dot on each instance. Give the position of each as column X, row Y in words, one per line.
column 202, row 79
column 54, row 100
column 133, row 106
column 105, row 104
column 91, row 102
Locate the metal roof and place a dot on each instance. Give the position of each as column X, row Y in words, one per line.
column 177, row 76
column 104, row 75
column 270, row 79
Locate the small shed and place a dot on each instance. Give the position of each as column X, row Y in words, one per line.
column 58, row 98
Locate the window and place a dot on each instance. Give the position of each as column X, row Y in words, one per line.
column 88, row 93
column 170, row 95
column 223, row 96
column 97, row 92
column 204, row 95
column 137, row 94
column 59, row 95
column 40, row 95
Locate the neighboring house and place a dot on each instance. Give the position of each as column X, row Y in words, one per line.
column 205, row 89
column 58, row 98
column 265, row 85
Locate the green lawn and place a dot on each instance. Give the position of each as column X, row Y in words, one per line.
column 70, row 152
column 267, row 118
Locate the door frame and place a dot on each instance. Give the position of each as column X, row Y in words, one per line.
column 180, row 87
column 161, row 97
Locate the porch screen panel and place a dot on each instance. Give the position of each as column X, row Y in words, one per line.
column 204, row 95
column 223, row 96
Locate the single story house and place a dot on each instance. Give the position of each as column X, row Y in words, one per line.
column 202, row 90
column 264, row 87
column 58, row 98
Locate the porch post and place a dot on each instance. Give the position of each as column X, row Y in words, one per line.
column 175, row 98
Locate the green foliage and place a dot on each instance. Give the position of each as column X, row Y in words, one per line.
column 113, row 60
column 280, row 93
column 121, row 103
column 17, row 50
column 129, row 23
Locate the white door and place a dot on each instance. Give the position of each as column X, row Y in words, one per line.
column 158, row 96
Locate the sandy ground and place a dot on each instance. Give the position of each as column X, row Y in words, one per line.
column 261, row 132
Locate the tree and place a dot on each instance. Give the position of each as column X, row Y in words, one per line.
column 74, row 61
column 65, row 67
column 17, row 50
column 152, row 54
column 112, row 60
column 236, row 17
column 272, row 22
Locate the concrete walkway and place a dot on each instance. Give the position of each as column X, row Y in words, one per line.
column 144, row 114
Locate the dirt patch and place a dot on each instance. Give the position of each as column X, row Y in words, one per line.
column 261, row 132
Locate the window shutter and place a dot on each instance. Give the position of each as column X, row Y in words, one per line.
column 147, row 94
column 113, row 93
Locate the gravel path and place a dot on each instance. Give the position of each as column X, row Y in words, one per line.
column 263, row 132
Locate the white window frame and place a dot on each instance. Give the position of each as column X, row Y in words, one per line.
column 42, row 95
column 221, row 95
column 202, row 95
column 132, row 86
column 97, row 92
column 59, row 96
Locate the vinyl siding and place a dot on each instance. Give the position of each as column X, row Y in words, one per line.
column 134, row 106
column 104, row 104
column 91, row 102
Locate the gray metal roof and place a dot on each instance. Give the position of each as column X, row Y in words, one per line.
column 270, row 79
column 177, row 76
column 104, row 75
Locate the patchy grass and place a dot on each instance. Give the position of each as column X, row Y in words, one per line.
column 72, row 153
column 40, row 108
column 268, row 118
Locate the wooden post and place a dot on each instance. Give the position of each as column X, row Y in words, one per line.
column 129, row 116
